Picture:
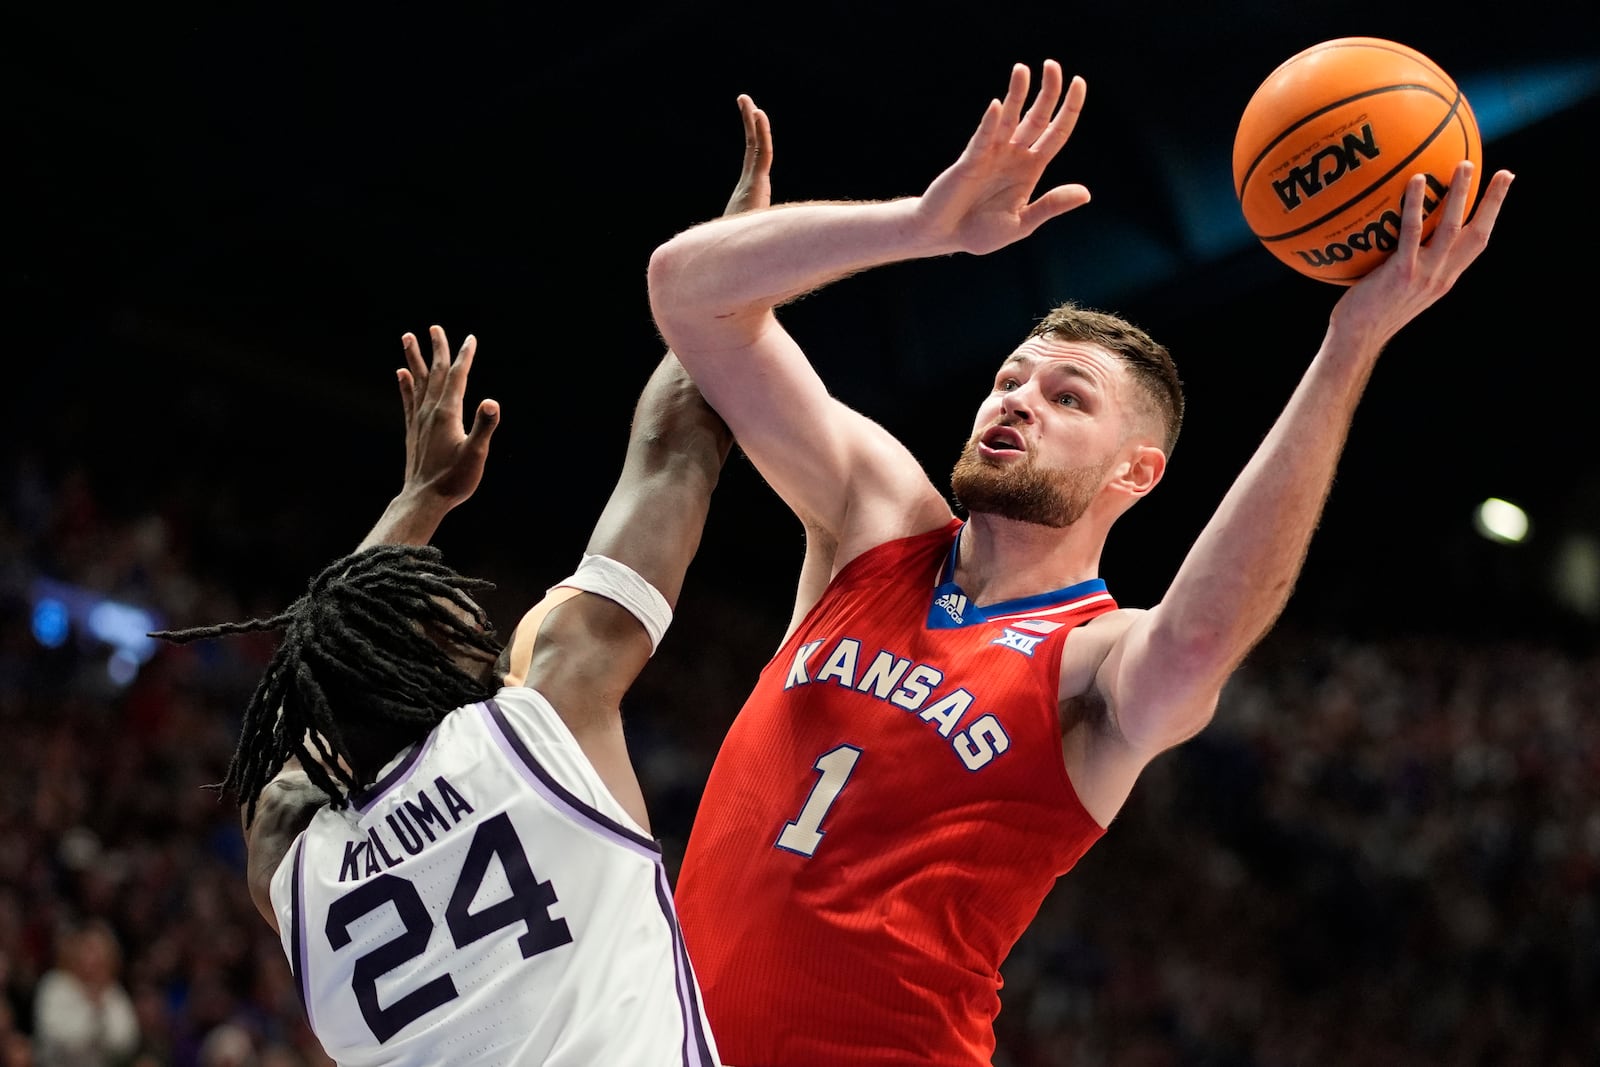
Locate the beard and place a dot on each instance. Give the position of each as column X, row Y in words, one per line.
column 1024, row 492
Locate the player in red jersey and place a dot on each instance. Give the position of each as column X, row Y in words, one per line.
column 960, row 708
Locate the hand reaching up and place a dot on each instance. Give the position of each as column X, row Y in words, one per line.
column 1416, row 274
column 443, row 458
column 985, row 200
column 754, row 190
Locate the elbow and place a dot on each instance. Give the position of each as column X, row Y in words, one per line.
column 696, row 311
column 663, row 280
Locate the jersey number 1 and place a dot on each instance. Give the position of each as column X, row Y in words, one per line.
column 803, row 835
column 528, row 903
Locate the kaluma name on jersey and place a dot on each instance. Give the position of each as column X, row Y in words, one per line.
column 405, row 829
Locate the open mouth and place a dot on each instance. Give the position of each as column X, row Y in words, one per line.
column 1001, row 439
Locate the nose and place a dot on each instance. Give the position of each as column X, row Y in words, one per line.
column 1014, row 405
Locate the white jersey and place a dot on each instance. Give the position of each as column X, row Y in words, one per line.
column 489, row 902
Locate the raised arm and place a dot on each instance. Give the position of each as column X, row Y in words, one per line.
column 714, row 290
column 1163, row 675
column 583, row 650
column 652, row 521
column 444, row 464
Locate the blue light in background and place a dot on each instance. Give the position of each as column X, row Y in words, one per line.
column 122, row 667
column 1505, row 101
column 50, row 624
column 61, row 608
column 123, row 626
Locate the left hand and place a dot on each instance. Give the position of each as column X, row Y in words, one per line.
column 985, row 200
column 1416, row 274
column 444, row 460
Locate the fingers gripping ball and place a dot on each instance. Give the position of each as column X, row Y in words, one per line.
column 1326, row 144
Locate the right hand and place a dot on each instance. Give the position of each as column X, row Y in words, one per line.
column 754, row 190
column 1418, row 272
column 985, row 200
column 443, row 459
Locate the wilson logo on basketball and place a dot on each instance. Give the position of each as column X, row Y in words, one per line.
column 1381, row 235
column 1327, row 166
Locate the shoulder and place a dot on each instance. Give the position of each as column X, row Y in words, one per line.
column 283, row 810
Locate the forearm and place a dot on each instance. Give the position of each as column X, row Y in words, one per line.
column 658, row 509
column 1238, row 576
column 711, row 285
column 411, row 518
column 674, row 427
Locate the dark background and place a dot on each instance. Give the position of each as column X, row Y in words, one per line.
column 224, row 222
column 1384, row 851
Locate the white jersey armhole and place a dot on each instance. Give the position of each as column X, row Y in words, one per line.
column 551, row 743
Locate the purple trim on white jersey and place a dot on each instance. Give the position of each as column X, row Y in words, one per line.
column 364, row 799
column 696, row 1049
column 545, row 784
column 297, row 930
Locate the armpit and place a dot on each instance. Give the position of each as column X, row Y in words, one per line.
column 1086, row 709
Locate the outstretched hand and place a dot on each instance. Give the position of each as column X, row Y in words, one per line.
column 754, row 190
column 1416, row 274
column 443, row 458
column 985, row 200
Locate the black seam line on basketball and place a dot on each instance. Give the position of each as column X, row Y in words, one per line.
column 1396, row 169
column 1250, row 172
column 1377, row 44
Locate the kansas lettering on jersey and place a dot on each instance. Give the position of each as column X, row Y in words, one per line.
column 489, row 902
column 884, row 819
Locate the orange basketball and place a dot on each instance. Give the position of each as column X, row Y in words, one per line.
column 1325, row 147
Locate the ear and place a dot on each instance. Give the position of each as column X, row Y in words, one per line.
column 1140, row 471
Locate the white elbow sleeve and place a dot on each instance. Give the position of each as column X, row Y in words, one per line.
column 622, row 585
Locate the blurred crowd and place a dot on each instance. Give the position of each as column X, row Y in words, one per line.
column 1382, row 852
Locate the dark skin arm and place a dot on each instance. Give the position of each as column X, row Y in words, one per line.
column 284, row 808
column 444, row 464
column 589, row 649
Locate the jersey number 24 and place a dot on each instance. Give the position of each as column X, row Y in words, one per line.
column 529, row 903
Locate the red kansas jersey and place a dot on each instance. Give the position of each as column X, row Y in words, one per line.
column 884, row 819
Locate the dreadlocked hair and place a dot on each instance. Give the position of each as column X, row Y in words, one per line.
column 369, row 638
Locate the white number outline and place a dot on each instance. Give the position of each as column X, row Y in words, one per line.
column 805, row 833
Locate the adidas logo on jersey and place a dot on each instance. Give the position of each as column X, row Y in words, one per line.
column 954, row 605
column 1016, row 639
